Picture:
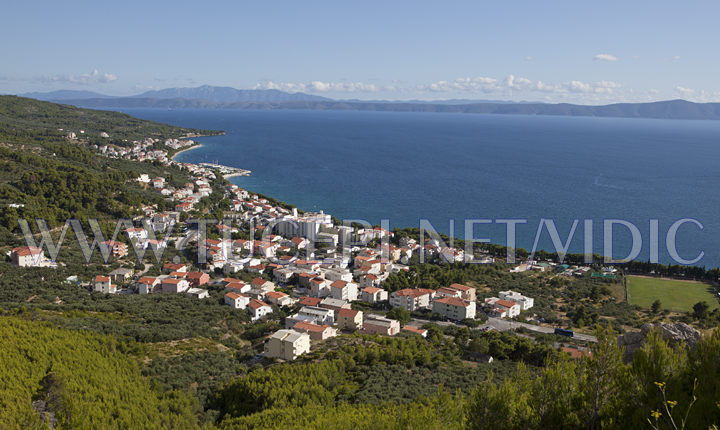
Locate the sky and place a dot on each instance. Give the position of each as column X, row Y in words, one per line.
column 551, row 51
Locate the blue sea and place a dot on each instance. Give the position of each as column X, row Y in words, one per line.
column 438, row 166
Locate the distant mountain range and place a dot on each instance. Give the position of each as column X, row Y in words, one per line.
column 205, row 93
column 208, row 97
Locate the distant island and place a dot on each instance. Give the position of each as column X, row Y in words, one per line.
column 209, row 97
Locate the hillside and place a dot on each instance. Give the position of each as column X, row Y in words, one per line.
column 55, row 178
column 25, row 116
column 61, row 377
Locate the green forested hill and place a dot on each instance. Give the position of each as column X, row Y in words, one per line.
column 55, row 178
column 23, row 116
column 78, row 380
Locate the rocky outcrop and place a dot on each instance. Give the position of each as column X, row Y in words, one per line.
column 674, row 334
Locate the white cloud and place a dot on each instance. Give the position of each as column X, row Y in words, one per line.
column 685, row 93
column 511, row 87
column 604, row 57
column 323, row 87
column 94, row 77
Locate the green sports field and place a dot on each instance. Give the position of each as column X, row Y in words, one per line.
column 674, row 295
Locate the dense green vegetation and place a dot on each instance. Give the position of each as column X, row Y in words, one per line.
column 62, row 376
column 22, row 117
column 664, row 387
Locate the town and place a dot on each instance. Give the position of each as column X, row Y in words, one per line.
column 294, row 261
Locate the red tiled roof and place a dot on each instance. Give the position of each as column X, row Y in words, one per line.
column 310, row 301
column 339, row 284
column 276, row 294
column 460, row 287
column 453, row 301
column 505, row 303
column 257, row 304
column 27, row 250
column 101, row 278
column 413, row 292
column 348, row 313
column 306, row 326
column 414, row 329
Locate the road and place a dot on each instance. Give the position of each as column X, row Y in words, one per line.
column 501, row 324
column 505, row 325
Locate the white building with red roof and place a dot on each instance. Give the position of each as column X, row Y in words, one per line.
column 236, row 300
column 454, row 308
column 502, row 308
column 343, row 290
column 103, row 284
column 27, row 256
column 349, row 319
column 258, row 309
column 412, row 299
column 373, row 295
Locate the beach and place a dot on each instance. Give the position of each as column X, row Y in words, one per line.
column 197, row 145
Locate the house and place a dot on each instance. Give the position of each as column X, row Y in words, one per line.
column 454, row 308
column 502, row 308
column 198, row 293
column 316, row 332
column 319, row 287
column 467, row 293
column 415, row 330
column 27, row 256
column 174, row 285
column 334, row 304
column 279, row 298
column 103, row 284
column 283, row 275
column 237, row 300
column 287, row 345
column 343, row 290
column 312, row 314
column 121, row 274
column 197, row 278
column 411, row 299
column 258, row 309
column 310, row 301
column 370, row 280
column 136, row 233
column 374, row 324
column 174, row 267
column 117, row 249
column 147, row 284
column 349, row 319
column 373, row 295
column 262, row 284
column 178, row 275
column 524, row 302
column 447, row 292
column 338, row 275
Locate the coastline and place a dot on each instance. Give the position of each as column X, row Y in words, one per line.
column 233, row 175
column 197, row 145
